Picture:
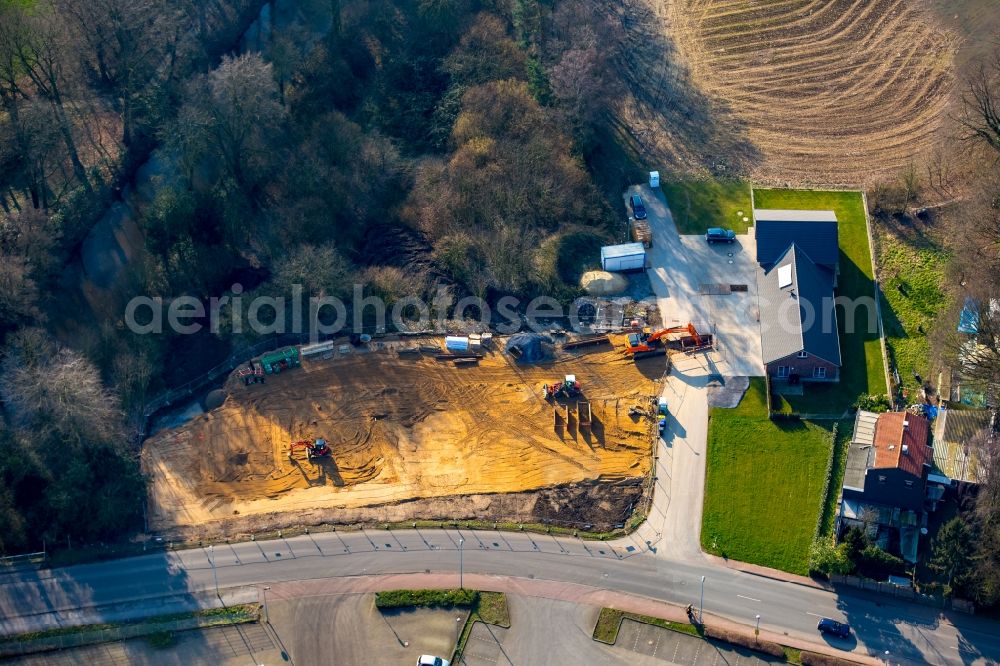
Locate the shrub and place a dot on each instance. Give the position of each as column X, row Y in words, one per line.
column 873, row 403
column 425, row 598
column 827, row 558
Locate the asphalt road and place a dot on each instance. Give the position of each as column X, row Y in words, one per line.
column 139, row 585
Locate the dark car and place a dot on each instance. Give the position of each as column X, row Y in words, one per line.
column 834, row 628
column 638, row 210
column 720, row 235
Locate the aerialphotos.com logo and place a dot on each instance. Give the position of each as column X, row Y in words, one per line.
column 323, row 316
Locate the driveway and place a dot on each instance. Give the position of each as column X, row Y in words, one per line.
column 693, row 282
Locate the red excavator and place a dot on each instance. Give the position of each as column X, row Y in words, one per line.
column 314, row 449
column 639, row 345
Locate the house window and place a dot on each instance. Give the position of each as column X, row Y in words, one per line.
column 882, row 479
column 803, row 354
column 819, row 373
column 782, row 371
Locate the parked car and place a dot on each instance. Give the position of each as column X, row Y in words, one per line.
column 429, row 660
column 834, row 628
column 638, row 210
column 720, row 235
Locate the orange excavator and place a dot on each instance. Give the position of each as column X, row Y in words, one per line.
column 314, row 449
column 640, row 345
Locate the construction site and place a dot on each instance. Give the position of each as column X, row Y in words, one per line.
column 393, row 430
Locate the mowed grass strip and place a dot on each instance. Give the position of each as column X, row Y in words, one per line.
column 764, row 484
column 699, row 204
column 861, row 352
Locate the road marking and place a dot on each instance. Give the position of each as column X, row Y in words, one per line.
column 748, row 598
column 815, row 614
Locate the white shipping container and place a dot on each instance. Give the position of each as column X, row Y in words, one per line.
column 622, row 258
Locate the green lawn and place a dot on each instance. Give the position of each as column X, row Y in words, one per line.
column 861, row 353
column 912, row 277
column 764, row 484
column 699, row 204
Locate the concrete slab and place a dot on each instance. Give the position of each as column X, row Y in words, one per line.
column 677, row 648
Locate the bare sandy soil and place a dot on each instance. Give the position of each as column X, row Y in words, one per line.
column 401, row 428
column 793, row 91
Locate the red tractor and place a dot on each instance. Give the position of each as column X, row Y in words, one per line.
column 567, row 388
column 314, row 449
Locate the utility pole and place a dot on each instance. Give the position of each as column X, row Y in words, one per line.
column 461, row 563
column 701, row 606
column 267, row 618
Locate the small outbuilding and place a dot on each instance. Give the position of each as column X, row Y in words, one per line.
column 623, row 258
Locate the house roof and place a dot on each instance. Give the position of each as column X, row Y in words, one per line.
column 954, row 430
column 864, row 427
column 809, row 321
column 623, row 250
column 901, row 442
column 815, row 231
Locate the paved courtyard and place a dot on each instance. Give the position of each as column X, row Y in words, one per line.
column 692, row 279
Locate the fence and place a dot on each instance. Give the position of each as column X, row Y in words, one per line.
column 17, row 562
column 898, row 592
column 109, row 634
column 878, row 298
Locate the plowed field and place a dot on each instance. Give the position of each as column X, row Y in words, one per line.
column 796, row 91
column 401, row 427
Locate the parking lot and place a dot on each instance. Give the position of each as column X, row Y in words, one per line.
column 711, row 285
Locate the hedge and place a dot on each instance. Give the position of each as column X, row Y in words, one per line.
column 425, row 598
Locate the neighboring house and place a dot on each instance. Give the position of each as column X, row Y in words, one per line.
column 797, row 253
column 955, row 435
column 885, row 487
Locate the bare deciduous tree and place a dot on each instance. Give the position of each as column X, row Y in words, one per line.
column 980, row 117
column 56, row 391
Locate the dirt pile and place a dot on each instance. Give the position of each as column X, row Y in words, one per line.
column 402, row 427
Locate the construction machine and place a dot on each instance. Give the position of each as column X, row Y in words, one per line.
column 567, row 388
column 641, row 344
column 317, row 448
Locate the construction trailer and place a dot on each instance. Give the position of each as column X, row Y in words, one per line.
column 282, row 359
column 623, row 258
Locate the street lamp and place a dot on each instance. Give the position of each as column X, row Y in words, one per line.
column 886, row 658
column 458, row 630
column 461, row 562
column 756, row 631
column 215, row 575
column 267, row 617
column 701, row 606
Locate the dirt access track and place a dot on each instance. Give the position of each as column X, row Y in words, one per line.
column 788, row 91
column 404, row 427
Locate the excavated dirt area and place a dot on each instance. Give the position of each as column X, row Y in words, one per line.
column 792, row 91
column 406, row 427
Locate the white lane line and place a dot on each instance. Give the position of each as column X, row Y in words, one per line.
column 815, row 614
column 748, row 598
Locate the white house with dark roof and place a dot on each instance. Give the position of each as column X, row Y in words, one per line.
column 797, row 255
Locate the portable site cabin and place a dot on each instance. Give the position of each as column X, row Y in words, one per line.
column 623, row 258
column 282, row 359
